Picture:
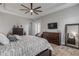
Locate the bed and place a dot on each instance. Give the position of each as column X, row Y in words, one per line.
column 26, row 46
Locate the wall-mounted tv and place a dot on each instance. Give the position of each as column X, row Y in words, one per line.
column 52, row 25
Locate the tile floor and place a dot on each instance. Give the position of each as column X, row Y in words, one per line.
column 64, row 51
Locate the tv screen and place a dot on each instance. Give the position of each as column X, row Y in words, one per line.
column 52, row 25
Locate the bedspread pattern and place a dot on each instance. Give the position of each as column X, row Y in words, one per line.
column 25, row 46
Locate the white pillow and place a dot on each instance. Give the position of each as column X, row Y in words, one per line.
column 39, row 34
column 17, row 36
column 3, row 39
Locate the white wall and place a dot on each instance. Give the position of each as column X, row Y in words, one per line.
column 7, row 21
column 66, row 16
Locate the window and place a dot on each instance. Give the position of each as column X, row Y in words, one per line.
column 37, row 28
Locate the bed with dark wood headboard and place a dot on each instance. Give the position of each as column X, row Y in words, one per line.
column 19, row 31
column 51, row 37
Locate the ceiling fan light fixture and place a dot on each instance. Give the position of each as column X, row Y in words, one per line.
column 31, row 10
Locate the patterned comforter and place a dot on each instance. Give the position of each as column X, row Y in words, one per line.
column 25, row 46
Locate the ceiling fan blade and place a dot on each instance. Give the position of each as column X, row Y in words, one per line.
column 23, row 9
column 37, row 7
column 31, row 5
column 35, row 12
column 38, row 11
column 26, row 12
column 25, row 6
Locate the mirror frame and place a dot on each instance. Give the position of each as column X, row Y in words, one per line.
column 66, row 33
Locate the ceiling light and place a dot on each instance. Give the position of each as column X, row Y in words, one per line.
column 31, row 10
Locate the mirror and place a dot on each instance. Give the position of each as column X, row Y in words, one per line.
column 71, row 35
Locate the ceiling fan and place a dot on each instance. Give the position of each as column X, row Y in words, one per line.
column 31, row 9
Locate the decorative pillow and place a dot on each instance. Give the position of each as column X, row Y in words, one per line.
column 3, row 39
column 17, row 36
column 12, row 38
column 38, row 34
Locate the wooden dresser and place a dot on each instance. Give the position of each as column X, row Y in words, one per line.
column 52, row 37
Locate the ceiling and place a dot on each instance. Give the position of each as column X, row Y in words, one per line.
column 47, row 8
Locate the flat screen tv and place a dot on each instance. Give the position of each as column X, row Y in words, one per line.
column 52, row 25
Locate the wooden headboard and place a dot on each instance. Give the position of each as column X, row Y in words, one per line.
column 17, row 31
column 52, row 37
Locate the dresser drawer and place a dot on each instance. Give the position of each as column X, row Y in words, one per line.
column 52, row 37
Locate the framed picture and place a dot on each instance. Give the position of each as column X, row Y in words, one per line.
column 52, row 25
